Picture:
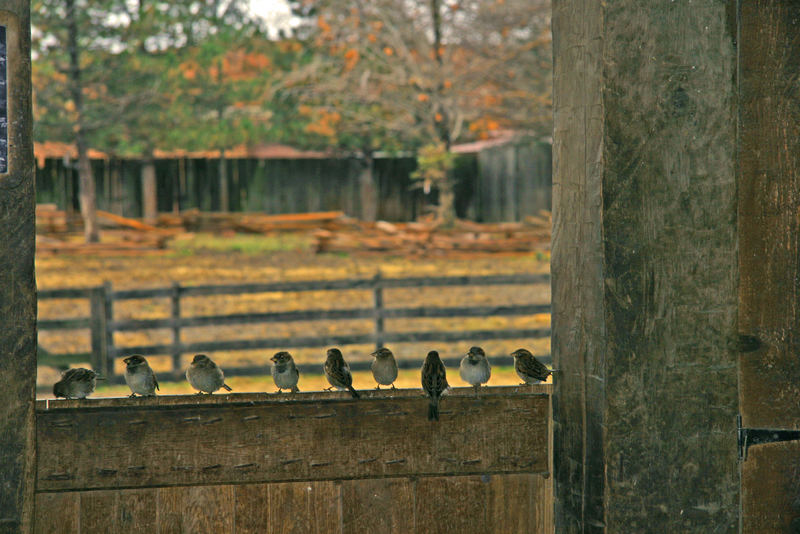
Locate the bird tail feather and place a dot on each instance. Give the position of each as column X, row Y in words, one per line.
column 433, row 411
column 227, row 387
column 353, row 392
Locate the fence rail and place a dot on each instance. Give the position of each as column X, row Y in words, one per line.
column 102, row 324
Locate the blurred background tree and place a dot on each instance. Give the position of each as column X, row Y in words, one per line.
column 131, row 76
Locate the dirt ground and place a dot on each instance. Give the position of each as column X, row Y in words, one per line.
column 235, row 258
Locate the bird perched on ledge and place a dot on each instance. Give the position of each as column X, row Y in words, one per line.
column 205, row 376
column 76, row 383
column 284, row 372
column 475, row 369
column 338, row 372
column 384, row 368
column 139, row 377
column 528, row 368
column 434, row 382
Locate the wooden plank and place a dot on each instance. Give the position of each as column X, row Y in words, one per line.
column 322, row 341
column 520, row 503
column 57, row 513
column 137, row 511
column 451, row 504
column 183, row 440
column 304, row 507
column 645, row 266
column 769, row 219
column 320, row 315
column 195, row 509
column 63, row 324
column 252, row 508
column 17, row 282
column 771, row 487
column 99, row 511
column 329, row 285
column 66, row 293
column 378, row 505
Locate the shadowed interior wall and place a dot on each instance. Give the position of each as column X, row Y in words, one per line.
column 644, row 266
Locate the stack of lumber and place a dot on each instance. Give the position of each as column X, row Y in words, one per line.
column 428, row 237
column 120, row 236
column 257, row 223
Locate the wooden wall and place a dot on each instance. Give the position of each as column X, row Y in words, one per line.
column 499, row 184
column 312, row 462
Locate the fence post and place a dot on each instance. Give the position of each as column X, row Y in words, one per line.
column 176, row 328
column 378, row 299
column 97, row 325
column 108, row 330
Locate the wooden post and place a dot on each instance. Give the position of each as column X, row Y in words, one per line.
column 110, row 351
column 176, row 328
column 17, row 280
column 149, row 190
column 645, row 266
column 98, row 328
column 378, row 300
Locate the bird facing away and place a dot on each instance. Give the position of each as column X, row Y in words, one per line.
column 284, row 372
column 139, row 377
column 384, row 368
column 76, row 383
column 475, row 369
column 338, row 372
column 434, row 382
column 528, row 368
column 205, row 376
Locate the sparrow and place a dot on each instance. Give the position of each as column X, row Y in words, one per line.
column 528, row 368
column 475, row 368
column 434, row 382
column 384, row 368
column 284, row 372
column 76, row 383
column 338, row 372
column 139, row 377
column 205, row 376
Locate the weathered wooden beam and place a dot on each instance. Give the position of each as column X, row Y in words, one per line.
column 644, row 266
column 219, row 439
column 17, row 281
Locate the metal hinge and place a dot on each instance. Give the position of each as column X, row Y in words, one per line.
column 757, row 436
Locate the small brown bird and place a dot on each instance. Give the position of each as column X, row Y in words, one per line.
column 205, row 376
column 338, row 372
column 434, row 382
column 528, row 368
column 76, row 383
column 384, row 368
column 284, row 372
column 140, row 377
column 475, row 369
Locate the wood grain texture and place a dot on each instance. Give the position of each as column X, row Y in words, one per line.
column 378, row 505
column 452, row 504
column 769, row 219
column 99, row 511
column 206, row 440
column 57, row 513
column 771, row 488
column 195, row 509
column 644, row 266
column 17, row 282
column 304, row 508
column 136, row 511
column 252, row 508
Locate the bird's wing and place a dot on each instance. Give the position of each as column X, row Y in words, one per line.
column 155, row 381
column 532, row 367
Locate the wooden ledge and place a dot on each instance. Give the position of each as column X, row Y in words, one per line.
column 282, row 398
column 250, row 437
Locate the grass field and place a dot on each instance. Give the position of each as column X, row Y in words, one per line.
column 199, row 259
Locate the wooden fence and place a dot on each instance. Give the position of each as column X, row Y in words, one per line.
column 103, row 324
column 303, row 463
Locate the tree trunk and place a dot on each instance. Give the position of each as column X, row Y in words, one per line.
column 223, row 183
column 367, row 191
column 87, row 194
column 149, row 194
